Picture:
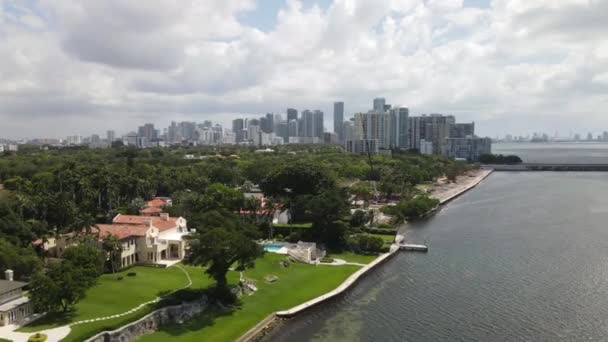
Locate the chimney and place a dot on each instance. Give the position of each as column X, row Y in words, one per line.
column 164, row 216
column 8, row 275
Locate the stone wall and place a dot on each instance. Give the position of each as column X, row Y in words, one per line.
column 151, row 322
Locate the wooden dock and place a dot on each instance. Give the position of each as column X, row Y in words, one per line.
column 413, row 247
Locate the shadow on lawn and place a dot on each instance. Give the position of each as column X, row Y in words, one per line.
column 50, row 320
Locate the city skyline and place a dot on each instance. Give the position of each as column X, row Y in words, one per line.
column 511, row 66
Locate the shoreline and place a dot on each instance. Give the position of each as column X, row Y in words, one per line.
column 462, row 185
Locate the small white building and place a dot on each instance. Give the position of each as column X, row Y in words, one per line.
column 15, row 307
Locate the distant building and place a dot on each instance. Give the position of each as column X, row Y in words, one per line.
column 292, row 114
column 110, row 136
column 425, row 147
column 379, row 105
column 362, row 146
column 339, row 119
column 462, row 130
column 469, row 148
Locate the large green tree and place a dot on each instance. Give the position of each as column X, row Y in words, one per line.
column 221, row 247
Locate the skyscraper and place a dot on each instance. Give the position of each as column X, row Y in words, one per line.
column 110, row 136
column 462, row 130
column 403, row 139
column 238, row 126
column 339, row 119
column 292, row 114
column 318, row 124
column 379, row 104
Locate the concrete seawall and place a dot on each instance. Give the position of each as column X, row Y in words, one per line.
column 257, row 332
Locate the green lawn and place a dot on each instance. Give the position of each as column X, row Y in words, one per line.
column 3, row 340
column 111, row 296
column 293, row 225
column 388, row 239
column 295, row 285
column 352, row 257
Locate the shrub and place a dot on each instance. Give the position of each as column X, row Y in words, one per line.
column 38, row 337
column 131, row 274
column 380, row 231
column 327, row 260
column 365, row 243
column 120, row 278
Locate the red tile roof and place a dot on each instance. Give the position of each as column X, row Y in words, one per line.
column 151, row 210
column 121, row 231
column 157, row 202
column 158, row 222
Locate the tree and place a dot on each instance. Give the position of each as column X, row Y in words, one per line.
column 220, row 247
column 59, row 289
column 113, row 249
column 359, row 218
column 87, row 258
column 412, row 209
column 363, row 190
column 298, row 178
column 22, row 260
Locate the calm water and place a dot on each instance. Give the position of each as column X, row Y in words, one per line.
column 523, row 257
column 567, row 153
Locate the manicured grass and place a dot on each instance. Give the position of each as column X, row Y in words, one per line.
column 352, row 257
column 4, row 340
column 295, row 285
column 293, row 225
column 111, row 296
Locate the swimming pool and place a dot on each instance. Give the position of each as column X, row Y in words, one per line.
column 273, row 247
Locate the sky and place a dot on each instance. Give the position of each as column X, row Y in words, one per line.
column 513, row 66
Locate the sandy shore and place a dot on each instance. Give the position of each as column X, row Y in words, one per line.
column 444, row 191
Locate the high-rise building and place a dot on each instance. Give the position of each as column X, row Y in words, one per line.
column 292, row 114
column 110, row 136
column 436, row 129
column 339, row 119
column 462, row 130
column 307, row 124
column 146, row 134
column 398, row 127
column 373, row 126
column 414, row 132
column 469, row 148
column 238, row 126
column 347, row 130
column 318, row 124
column 292, row 127
column 379, row 104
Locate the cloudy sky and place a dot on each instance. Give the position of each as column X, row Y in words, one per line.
column 513, row 66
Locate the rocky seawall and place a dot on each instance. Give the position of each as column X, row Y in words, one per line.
column 151, row 322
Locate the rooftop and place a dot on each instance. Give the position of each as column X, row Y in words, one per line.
column 160, row 222
column 122, row 231
column 7, row 286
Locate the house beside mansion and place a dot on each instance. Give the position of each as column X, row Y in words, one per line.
column 148, row 239
column 15, row 307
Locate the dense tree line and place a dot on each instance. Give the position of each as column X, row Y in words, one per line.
column 499, row 159
column 57, row 191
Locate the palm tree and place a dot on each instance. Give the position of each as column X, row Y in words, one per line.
column 113, row 248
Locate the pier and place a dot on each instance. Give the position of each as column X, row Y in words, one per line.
column 549, row 167
column 413, row 247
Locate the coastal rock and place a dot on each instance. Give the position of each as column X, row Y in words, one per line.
column 151, row 322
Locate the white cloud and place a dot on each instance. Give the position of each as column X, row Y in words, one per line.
column 104, row 63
